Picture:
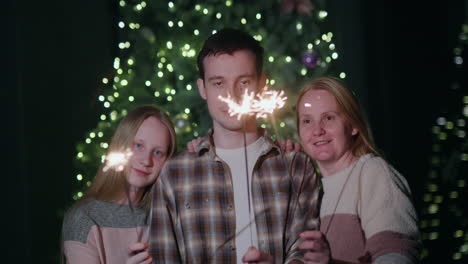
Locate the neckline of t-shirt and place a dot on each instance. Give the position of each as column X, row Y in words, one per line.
column 346, row 170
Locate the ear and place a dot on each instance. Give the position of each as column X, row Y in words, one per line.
column 201, row 88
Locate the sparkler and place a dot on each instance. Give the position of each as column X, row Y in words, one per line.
column 268, row 102
column 117, row 160
column 261, row 105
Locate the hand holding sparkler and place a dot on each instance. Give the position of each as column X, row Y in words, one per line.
column 254, row 255
column 139, row 254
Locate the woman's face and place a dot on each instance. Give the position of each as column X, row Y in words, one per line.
column 325, row 135
column 150, row 147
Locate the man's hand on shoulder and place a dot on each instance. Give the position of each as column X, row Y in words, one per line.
column 288, row 145
column 192, row 144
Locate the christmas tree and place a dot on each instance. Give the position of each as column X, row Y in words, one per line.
column 444, row 216
column 159, row 42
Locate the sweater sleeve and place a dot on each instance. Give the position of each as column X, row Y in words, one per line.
column 387, row 214
column 81, row 253
column 79, row 238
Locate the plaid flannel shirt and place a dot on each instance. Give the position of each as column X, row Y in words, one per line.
column 193, row 218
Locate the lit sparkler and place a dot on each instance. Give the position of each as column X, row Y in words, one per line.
column 117, row 160
column 244, row 108
column 261, row 105
column 268, row 102
column 255, row 104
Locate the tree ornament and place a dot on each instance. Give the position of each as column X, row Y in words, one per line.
column 310, row 59
column 302, row 6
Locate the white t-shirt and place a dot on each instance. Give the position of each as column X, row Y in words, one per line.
column 235, row 159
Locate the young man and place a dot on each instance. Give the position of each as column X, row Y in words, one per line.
column 204, row 210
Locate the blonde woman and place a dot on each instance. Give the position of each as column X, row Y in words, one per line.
column 366, row 211
column 110, row 223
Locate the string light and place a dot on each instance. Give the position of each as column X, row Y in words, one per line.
column 299, row 26
column 322, row 14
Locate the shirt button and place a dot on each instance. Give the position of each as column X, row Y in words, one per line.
column 229, row 207
column 233, row 247
column 187, row 205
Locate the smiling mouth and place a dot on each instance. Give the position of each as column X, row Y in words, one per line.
column 321, row 143
column 140, row 172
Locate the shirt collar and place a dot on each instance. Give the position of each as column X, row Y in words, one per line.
column 207, row 144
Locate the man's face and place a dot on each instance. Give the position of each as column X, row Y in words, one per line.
column 228, row 74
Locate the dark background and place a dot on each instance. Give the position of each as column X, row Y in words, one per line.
column 396, row 56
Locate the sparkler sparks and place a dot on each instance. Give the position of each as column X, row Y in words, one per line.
column 244, row 108
column 255, row 104
column 268, row 102
column 117, row 160
column 251, row 104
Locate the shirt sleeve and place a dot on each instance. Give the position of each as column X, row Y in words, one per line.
column 388, row 217
column 163, row 238
column 305, row 208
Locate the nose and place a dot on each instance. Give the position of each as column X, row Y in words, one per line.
column 237, row 91
column 317, row 130
column 146, row 159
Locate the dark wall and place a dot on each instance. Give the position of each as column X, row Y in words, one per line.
column 397, row 58
column 61, row 50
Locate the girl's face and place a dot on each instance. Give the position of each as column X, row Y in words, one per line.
column 325, row 135
column 150, row 147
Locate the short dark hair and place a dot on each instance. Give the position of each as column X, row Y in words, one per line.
column 229, row 40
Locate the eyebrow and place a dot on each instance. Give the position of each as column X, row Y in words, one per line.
column 215, row 78
column 326, row 112
column 241, row 76
column 139, row 140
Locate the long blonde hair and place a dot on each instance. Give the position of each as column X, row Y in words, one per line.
column 348, row 104
column 111, row 185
